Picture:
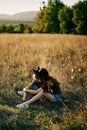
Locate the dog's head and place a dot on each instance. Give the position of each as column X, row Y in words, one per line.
column 36, row 73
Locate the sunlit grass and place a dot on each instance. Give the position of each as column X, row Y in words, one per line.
column 65, row 57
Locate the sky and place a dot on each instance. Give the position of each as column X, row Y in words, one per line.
column 16, row 6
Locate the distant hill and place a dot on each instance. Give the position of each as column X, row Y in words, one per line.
column 23, row 16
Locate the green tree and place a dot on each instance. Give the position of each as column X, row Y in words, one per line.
column 65, row 17
column 49, row 2
column 27, row 29
column 38, row 27
column 53, row 2
column 19, row 28
column 2, row 28
column 9, row 28
column 46, row 20
column 80, row 17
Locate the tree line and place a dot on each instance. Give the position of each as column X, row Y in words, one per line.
column 20, row 28
column 55, row 17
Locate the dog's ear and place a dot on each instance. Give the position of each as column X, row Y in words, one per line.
column 38, row 68
column 33, row 70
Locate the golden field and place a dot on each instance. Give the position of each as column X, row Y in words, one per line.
column 65, row 57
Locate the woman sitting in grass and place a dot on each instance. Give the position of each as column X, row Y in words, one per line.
column 50, row 88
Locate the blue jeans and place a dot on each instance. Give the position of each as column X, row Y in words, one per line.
column 57, row 98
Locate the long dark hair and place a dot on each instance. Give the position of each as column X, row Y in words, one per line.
column 48, row 83
column 44, row 77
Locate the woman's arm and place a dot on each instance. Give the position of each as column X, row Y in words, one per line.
column 32, row 91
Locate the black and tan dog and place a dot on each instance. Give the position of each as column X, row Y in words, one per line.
column 34, row 85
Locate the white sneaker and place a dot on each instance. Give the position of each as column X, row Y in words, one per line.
column 22, row 106
column 24, row 89
column 20, row 92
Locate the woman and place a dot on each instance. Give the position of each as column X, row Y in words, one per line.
column 49, row 88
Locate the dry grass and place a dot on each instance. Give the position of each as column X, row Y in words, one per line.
column 58, row 53
column 65, row 57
